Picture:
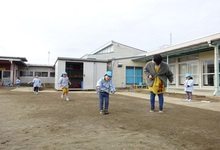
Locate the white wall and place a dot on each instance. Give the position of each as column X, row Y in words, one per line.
column 60, row 66
column 92, row 71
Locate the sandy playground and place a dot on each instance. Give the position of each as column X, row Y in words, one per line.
column 47, row 122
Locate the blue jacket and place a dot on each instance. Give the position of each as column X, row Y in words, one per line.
column 105, row 86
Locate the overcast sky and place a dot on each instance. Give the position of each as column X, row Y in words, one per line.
column 73, row 28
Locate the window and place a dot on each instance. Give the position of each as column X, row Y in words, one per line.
column 44, row 74
column 188, row 67
column 41, row 74
column 37, row 73
column 6, row 74
column 193, row 70
column 209, row 72
column 134, row 75
column 182, row 72
column 26, row 73
column 173, row 70
column 52, row 74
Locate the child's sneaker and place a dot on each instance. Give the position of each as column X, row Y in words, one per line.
column 102, row 112
column 61, row 95
column 189, row 100
column 186, row 100
column 160, row 111
column 151, row 111
column 67, row 99
column 106, row 111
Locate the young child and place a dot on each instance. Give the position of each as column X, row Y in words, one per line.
column 189, row 87
column 17, row 82
column 36, row 84
column 104, row 86
column 64, row 84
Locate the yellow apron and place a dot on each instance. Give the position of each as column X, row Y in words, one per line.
column 158, row 86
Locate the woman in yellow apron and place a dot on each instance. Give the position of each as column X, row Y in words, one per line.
column 157, row 73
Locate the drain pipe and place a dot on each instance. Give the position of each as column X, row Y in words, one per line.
column 216, row 65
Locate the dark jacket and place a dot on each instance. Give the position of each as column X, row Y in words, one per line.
column 163, row 73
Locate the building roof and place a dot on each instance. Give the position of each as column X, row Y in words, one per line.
column 110, row 44
column 19, row 61
column 40, row 65
column 187, row 48
column 79, row 60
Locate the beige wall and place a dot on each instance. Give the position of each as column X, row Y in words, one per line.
column 119, row 51
column 201, row 57
column 119, row 73
column 40, row 69
column 206, row 55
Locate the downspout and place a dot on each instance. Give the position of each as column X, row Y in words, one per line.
column 216, row 68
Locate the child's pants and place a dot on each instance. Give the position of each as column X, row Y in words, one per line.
column 36, row 89
column 189, row 95
column 103, row 98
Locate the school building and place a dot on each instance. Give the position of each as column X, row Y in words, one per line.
column 13, row 67
column 198, row 57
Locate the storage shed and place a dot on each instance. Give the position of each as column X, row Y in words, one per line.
column 82, row 73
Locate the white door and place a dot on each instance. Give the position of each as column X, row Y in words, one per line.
column 88, row 75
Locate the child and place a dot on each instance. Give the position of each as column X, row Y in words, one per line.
column 36, row 84
column 17, row 82
column 64, row 84
column 104, row 86
column 188, row 87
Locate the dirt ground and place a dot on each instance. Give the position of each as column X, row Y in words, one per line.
column 47, row 122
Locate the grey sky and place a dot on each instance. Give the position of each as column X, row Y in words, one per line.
column 73, row 28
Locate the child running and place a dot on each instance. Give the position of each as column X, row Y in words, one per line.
column 104, row 86
column 36, row 84
column 64, row 84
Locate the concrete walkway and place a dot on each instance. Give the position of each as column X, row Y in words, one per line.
column 203, row 104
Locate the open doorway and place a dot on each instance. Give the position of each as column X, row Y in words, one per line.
column 75, row 74
column 0, row 77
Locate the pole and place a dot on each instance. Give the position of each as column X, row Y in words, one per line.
column 48, row 57
column 216, row 68
column 170, row 39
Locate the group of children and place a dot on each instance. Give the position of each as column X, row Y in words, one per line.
column 105, row 86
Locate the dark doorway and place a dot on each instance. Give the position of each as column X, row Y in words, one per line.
column 75, row 74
